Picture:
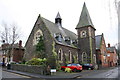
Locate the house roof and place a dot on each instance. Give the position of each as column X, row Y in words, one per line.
column 54, row 29
column 98, row 39
column 7, row 46
column 17, row 46
column 111, row 49
column 85, row 19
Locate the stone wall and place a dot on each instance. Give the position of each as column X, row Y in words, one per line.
column 65, row 53
column 28, row 68
column 30, row 51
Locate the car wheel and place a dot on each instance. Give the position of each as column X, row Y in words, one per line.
column 62, row 69
column 74, row 70
column 80, row 70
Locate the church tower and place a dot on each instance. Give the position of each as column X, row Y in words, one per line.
column 86, row 38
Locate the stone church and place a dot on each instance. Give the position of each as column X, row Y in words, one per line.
column 69, row 47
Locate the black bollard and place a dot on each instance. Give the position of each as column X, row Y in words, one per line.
column 9, row 66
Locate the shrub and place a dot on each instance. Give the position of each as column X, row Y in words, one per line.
column 36, row 61
column 68, row 70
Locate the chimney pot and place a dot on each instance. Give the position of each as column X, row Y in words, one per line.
column 20, row 43
column 108, row 44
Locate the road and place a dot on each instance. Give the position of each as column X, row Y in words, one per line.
column 112, row 73
column 12, row 75
column 107, row 73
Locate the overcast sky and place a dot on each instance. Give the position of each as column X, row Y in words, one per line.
column 25, row 13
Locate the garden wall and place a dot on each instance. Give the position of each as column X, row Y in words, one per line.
column 29, row 68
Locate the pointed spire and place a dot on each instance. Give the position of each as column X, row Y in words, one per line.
column 58, row 20
column 58, row 15
column 85, row 19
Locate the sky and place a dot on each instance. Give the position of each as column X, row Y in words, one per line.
column 25, row 12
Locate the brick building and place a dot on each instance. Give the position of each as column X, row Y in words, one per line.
column 12, row 55
column 101, row 51
column 112, row 56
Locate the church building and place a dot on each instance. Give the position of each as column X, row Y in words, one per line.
column 61, row 45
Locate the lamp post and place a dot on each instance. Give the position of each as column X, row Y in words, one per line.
column 3, row 54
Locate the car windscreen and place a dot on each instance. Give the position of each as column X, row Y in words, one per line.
column 69, row 65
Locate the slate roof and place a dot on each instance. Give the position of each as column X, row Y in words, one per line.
column 17, row 46
column 6, row 46
column 85, row 19
column 111, row 49
column 98, row 39
column 54, row 29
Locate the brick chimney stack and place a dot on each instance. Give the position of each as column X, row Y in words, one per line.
column 108, row 44
column 20, row 43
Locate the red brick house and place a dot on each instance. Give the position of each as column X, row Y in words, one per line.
column 17, row 52
column 101, row 51
column 112, row 56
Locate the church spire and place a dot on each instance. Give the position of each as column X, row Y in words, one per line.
column 85, row 19
column 58, row 20
column 58, row 15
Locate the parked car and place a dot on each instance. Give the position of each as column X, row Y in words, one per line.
column 73, row 67
column 87, row 66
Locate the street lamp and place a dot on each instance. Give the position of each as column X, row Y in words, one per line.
column 3, row 54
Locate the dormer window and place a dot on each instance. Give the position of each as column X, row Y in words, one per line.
column 68, row 40
column 74, row 41
column 58, row 37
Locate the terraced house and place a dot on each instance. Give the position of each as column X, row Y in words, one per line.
column 61, row 45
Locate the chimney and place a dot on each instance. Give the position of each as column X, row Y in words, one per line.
column 20, row 43
column 108, row 44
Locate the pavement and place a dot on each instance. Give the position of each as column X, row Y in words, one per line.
column 58, row 74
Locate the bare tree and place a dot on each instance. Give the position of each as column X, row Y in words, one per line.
column 5, row 33
column 10, row 34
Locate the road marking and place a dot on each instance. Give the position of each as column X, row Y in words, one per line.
column 108, row 75
column 79, row 77
column 19, row 75
column 88, row 74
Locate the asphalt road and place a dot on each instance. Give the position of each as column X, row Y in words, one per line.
column 12, row 75
column 95, row 74
column 112, row 73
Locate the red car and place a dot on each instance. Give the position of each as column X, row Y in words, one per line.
column 73, row 67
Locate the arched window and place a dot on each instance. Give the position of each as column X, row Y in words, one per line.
column 94, row 57
column 37, row 35
column 60, row 55
column 70, row 56
column 77, row 56
column 83, row 34
column 84, row 57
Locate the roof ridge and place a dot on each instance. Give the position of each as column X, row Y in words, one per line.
column 56, row 25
